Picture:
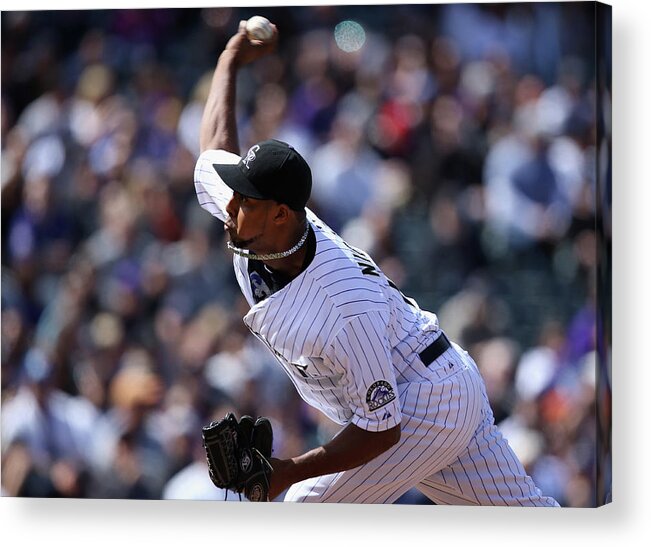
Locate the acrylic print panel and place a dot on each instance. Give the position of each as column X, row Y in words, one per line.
column 463, row 150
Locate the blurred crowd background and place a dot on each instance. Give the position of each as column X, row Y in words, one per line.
column 456, row 143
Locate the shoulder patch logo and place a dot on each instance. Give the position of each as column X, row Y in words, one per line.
column 379, row 394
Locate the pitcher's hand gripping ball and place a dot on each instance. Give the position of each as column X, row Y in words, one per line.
column 238, row 455
column 259, row 28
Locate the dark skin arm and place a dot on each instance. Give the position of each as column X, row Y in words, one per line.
column 218, row 129
column 350, row 448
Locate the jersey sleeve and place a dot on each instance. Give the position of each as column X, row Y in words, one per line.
column 213, row 194
column 360, row 353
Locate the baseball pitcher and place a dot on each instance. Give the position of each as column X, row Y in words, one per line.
column 411, row 403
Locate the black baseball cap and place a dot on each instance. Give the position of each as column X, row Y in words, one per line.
column 271, row 169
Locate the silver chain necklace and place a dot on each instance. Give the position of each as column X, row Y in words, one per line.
column 271, row 256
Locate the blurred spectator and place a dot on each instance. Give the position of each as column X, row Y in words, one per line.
column 52, row 427
column 127, row 446
column 345, row 165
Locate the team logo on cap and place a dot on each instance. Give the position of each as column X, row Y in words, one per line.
column 250, row 155
column 379, row 394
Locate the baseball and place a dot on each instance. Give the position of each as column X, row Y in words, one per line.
column 259, row 28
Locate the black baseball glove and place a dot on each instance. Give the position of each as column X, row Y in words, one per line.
column 238, row 455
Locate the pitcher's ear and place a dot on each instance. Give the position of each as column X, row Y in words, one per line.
column 282, row 213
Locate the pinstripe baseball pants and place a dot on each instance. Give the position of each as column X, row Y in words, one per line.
column 449, row 449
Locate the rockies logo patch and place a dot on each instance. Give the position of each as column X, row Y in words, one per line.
column 379, row 394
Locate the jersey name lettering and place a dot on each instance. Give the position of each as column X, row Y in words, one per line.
column 364, row 262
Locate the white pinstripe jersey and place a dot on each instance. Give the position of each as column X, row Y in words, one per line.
column 345, row 335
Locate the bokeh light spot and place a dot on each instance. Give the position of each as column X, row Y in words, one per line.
column 350, row 36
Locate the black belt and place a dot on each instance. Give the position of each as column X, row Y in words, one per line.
column 432, row 352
